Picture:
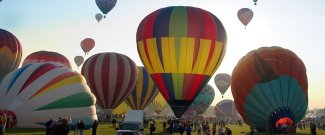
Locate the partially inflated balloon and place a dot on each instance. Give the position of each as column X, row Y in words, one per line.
column 159, row 103
column 144, row 91
column 10, row 53
column 268, row 84
column 105, row 5
column 226, row 108
column 87, row 44
column 98, row 17
column 245, row 15
column 222, row 81
column 78, row 60
column 111, row 77
column 181, row 47
column 42, row 91
column 46, row 56
column 203, row 100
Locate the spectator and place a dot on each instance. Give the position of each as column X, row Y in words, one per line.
column 94, row 127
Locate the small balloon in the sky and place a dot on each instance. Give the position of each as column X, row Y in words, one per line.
column 78, row 60
column 255, row 2
column 105, row 5
column 245, row 15
column 87, row 44
column 99, row 17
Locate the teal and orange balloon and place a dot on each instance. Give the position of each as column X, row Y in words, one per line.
column 10, row 53
column 144, row 91
column 181, row 47
column 268, row 85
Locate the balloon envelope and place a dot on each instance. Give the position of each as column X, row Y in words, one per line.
column 87, row 44
column 226, row 109
column 222, row 81
column 111, row 77
column 268, row 84
column 159, row 103
column 98, row 17
column 144, row 91
column 39, row 92
column 78, row 60
column 106, row 5
column 121, row 109
column 46, row 56
column 245, row 15
column 181, row 47
column 10, row 53
column 203, row 100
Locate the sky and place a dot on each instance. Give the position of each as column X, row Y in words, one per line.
column 60, row 25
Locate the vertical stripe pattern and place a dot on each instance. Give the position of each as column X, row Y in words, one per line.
column 144, row 91
column 111, row 77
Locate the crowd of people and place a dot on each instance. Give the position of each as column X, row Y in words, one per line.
column 62, row 126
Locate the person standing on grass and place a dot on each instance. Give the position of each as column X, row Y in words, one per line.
column 81, row 127
column 188, row 130
column 94, row 127
column 76, row 130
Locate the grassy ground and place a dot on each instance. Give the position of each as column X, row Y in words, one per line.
column 107, row 129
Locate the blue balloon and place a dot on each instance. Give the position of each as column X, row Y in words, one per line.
column 106, row 5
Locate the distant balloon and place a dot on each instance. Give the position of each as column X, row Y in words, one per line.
column 78, row 60
column 111, row 77
column 121, row 109
column 255, row 2
column 38, row 92
column 269, row 84
column 159, row 103
column 46, row 56
column 203, row 100
column 144, row 91
column 106, row 5
column 181, row 47
column 87, row 44
column 10, row 53
column 226, row 108
column 245, row 15
column 222, row 81
column 98, row 17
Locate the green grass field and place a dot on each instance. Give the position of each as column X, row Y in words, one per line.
column 107, row 129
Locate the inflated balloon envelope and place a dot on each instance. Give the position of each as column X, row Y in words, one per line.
column 269, row 84
column 181, row 47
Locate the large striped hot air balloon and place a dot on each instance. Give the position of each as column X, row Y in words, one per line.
column 46, row 56
column 269, row 84
column 144, row 91
column 38, row 92
column 10, row 53
column 181, row 47
column 111, row 77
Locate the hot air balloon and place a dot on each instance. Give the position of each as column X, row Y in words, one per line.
column 78, row 60
column 269, row 84
column 203, row 100
column 144, row 91
column 121, row 109
column 181, row 47
column 159, row 103
column 245, row 15
column 222, row 81
column 111, row 77
column 105, row 5
column 98, row 17
column 255, row 2
column 46, row 56
column 226, row 109
column 87, row 44
column 10, row 53
column 38, row 92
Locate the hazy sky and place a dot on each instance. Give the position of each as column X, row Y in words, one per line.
column 60, row 25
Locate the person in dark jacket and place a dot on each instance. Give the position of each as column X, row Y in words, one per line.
column 94, row 127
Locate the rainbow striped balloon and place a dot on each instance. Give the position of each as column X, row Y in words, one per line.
column 181, row 47
column 10, row 53
column 144, row 91
column 111, row 76
column 42, row 91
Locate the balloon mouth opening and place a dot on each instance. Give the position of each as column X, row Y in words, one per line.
column 11, row 119
column 282, row 117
